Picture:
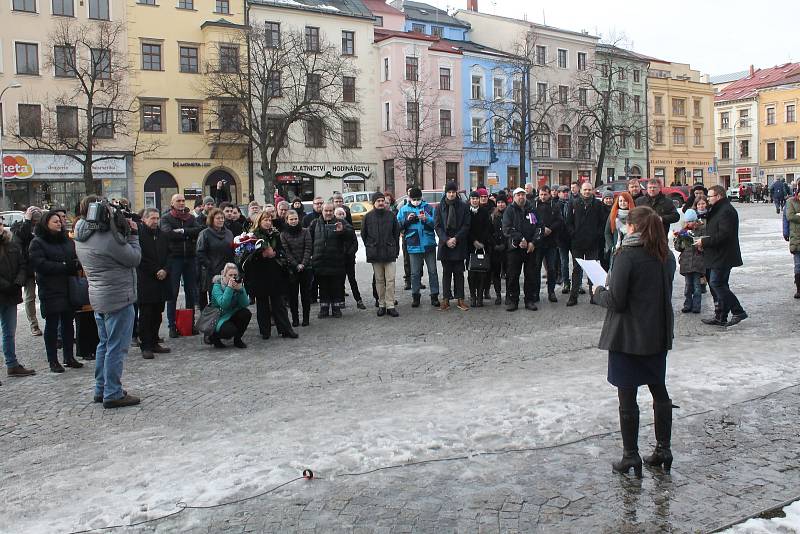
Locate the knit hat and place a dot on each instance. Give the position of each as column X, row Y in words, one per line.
column 518, row 190
column 377, row 196
column 451, row 186
column 482, row 192
column 690, row 216
column 501, row 198
column 474, row 194
column 608, row 194
column 415, row 193
column 208, row 200
column 563, row 189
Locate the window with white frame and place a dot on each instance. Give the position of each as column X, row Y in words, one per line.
column 98, row 9
column 791, row 152
column 497, row 84
column 541, row 55
column 30, row 120
column 386, row 71
column 445, row 123
column 564, row 139
column 542, row 142
column 27, row 55
column 477, row 130
column 64, row 8
column 387, row 116
column 562, row 58
column 581, row 60
column 477, row 87
column 499, row 131
column 583, row 96
column 679, row 135
column 444, row 79
column 350, row 137
column 563, row 93
column 412, row 115
column 637, row 76
column 698, row 138
column 541, row 92
column 770, row 115
column 791, row 114
column 725, row 120
column 412, row 68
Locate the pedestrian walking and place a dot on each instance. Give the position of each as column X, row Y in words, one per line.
column 152, row 282
column 329, row 242
column 452, row 228
column 380, row 232
column 779, row 191
column 296, row 242
column 637, row 333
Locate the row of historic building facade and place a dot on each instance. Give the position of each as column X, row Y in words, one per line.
column 462, row 59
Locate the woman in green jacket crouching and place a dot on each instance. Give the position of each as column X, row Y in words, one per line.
column 228, row 294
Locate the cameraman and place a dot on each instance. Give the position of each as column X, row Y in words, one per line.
column 182, row 230
column 108, row 249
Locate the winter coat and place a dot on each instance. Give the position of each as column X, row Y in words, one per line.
column 420, row 236
column 638, row 301
column 235, row 227
column 266, row 276
column 562, row 239
column 792, row 215
column 310, row 217
column 297, row 247
column 380, row 233
column 181, row 245
column 585, row 224
column 228, row 300
column 721, row 240
column 498, row 238
column 155, row 251
column 13, row 270
column 460, row 231
column 521, row 223
column 779, row 190
column 690, row 260
column 53, row 258
column 329, row 246
column 109, row 261
column 481, row 229
column 663, row 207
column 549, row 214
column 214, row 250
column 23, row 235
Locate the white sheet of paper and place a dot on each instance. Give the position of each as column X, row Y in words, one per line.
column 594, row 271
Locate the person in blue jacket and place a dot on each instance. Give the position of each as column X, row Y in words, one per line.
column 416, row 220
column 229, row 295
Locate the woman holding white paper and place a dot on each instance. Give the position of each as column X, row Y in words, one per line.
column 638, row 333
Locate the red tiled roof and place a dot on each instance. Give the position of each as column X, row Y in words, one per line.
column 747, row 87
column 380, row 6
column 381, row 34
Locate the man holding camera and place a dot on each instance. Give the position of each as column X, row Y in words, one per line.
column 107, row 246
column 182, row 230
column 416, row 220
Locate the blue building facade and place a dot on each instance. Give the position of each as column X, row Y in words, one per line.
column 430, row 20
column 491, row 156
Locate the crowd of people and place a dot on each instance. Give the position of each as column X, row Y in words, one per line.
column 101, row 290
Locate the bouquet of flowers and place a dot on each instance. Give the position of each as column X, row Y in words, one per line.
column 684, row 239
column 246, row 243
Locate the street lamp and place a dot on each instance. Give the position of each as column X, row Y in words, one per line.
column 13, row 85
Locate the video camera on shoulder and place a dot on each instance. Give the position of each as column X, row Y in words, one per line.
column 101, row 215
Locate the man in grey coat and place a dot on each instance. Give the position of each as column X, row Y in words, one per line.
column 109, row 252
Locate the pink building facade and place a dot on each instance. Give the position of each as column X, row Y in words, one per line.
column 420, row 102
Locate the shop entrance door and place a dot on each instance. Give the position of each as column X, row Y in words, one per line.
column 231, row 192
column 158, row 190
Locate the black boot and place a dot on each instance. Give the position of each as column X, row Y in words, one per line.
column 337, row 311
column 295, row 318
column 629, row 426
column 435, row 300
column 565, row 288
column 472, row 298
column 797, row 284
column 415, row 300
column 499, row 299
column 324, row 310
column 662, row 454
column 305, row 317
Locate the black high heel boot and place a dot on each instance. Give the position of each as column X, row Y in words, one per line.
column 629, row 426
column 662, row 454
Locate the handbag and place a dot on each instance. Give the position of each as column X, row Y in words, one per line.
column 207, row 320
column 479, row 261
column 78, row 289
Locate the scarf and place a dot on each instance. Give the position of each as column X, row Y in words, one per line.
column 270, row 239
column 451, row 225
column 619, row 223
column 293, row 230
column 632, row 240
column 181, row 215
column 474, row 210
column 220, row 234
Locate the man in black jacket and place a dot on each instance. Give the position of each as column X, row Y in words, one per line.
column 548, row 212
column 720, row 247
column 316, row 212
column 662, row 205
column 562, row 239
column 23, row 235
column 182, row 230
column 523, row 231
column 381, row 235
column 452, row 228
column 585, row 224
column 13, row 274
column 152, row 282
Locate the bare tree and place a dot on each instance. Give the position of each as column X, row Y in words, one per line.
column 522, row 116
column 419, row 135
column 295, row 88
column 96, row 107
column 604, row 108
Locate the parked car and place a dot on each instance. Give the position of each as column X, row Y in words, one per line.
column 357, row 196
column 733, row 191
column 678, row 194
column 357, row 211
column 10, row 217
column 431, row 196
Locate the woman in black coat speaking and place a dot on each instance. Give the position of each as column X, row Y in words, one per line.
column 638, row 333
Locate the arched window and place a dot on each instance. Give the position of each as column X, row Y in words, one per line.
column 542, row 142
column 564, row 142
column 635, row 172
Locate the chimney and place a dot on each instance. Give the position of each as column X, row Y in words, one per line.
column 752, row 70
column 472, row 5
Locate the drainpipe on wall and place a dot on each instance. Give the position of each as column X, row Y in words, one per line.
column 647, row 122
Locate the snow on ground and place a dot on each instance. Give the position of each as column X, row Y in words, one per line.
column 336, row 424
column 777, row 525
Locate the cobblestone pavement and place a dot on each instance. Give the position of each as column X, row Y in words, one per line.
column 362, row 392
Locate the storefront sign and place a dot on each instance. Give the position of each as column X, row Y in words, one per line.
column 16, row 166
column 26, row 165
column 744, row 170
column 191, row 164
column 331, row 170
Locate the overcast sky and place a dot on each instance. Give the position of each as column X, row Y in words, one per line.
column 714, row 37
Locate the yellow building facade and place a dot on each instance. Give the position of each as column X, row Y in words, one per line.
column 681, row 118
column 171, row 46
column 779, row 133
